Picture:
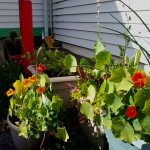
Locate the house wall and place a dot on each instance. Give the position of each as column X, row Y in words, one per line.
column 9, row 16
column 75, row 24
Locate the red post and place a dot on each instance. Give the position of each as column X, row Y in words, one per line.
column 26, row 29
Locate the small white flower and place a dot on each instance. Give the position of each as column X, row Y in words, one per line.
column 43, row 98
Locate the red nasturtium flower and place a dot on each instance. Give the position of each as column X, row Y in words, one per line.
column 139, row 78
column 131, row 112
column 40, row 68
column 41, row 90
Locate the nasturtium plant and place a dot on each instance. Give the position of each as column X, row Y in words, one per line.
column 36, row 106
column 119, row 92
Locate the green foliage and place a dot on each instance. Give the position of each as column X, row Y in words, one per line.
column 98, row 47
column 137, row 57
column 136, row 125
column 118, row 91
column 141, row 96
column 84, row 63
column 91, row 92
column 114, row 102
column 146, row 108
column 7, row 78
column 145, row 125
column 108, row 120
column 62, row 134
column 53, row 60
column 23, row 130
column 70, row 62
column 123, row 130
column 56, row 103
column 87, row 110
column 102, row 58
column 121, row 79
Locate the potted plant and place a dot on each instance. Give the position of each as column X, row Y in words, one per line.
column 34, row 111
column 115, row 95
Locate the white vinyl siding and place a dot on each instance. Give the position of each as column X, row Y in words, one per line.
column 75, row 23
column 9, row 13
column 38, row 13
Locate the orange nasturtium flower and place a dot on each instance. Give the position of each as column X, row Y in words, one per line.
column 41, row 90
column 10, row 92
column 33, row 79
column 27, row 83
column 139, row 78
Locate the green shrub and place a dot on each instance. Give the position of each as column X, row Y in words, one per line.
column 9, row 72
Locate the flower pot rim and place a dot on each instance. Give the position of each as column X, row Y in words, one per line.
column 55, row 79
column 11, row 124
column 64, row 79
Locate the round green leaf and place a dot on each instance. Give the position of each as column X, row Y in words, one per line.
column 146, row 109
column 87, row 110
column 62, row 134
column 145, row 124
column 70, row 62
column 123, row 130
column 98, row 47
column 91, row 92
column 102, row 58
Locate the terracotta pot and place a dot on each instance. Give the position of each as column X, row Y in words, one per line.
column 20, row 142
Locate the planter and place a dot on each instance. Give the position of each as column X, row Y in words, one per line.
column 20, row 142
column 60, row 87
column 92, row 131
column 115, row 144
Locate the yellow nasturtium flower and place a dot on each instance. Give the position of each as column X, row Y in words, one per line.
column 19, row 87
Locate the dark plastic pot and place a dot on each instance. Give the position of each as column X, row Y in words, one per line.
column 115, row 144
column 20, row 142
